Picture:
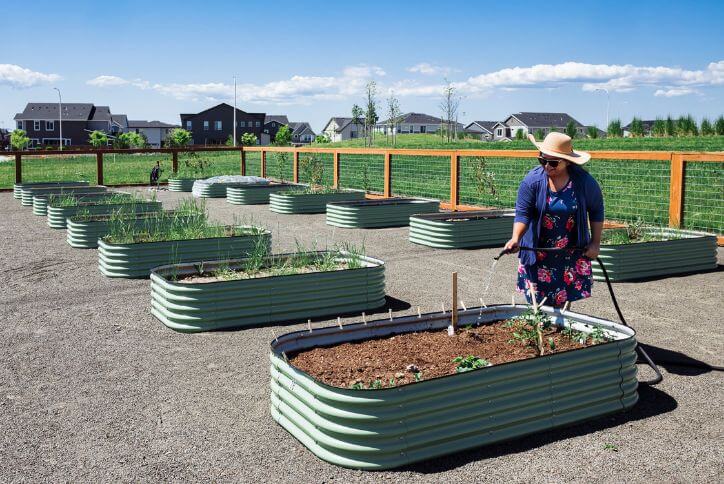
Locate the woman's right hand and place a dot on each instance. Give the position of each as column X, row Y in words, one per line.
column 512, row 246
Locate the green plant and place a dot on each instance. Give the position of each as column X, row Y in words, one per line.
column 229, row 141
column 670, row 126
column 19, row 139
column 611, row 447
column 468, row 363
column 592, row 132
column 636, row 128
column 178, row 138
column 596, row 335
column 659, row 128
column 571, row 129
column 98, row 139
column 375, row 385
column 539, row 134
column 249, row 139
column 193, row 165
column 418, row 376
column 614, row 129
column 484, row 178
column 529, row 328
column 706, row 128
column 130, row 140
column 321, row 139
column 312, row 169
column 719, row 126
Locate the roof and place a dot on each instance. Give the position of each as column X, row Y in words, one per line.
column 414, row 118
column 648, row 124
column 544, row 120
column 341, row 123
column 486, row 125
column 135, row 123
column 220, row 105
column 299, row 127
column 120, row 119
column 100, row 113
column 71, row 111
column 279, row 118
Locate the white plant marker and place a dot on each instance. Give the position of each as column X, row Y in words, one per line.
column 390, row 314
column 364, row 318
column 566, row 306
column 482, row 303
column 419, row 314
column 462, row 303
column 309, row 325
column 443, row 307
column 275, row 336
column 339, row 322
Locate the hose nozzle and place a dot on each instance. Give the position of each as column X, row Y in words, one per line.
column 502, row 253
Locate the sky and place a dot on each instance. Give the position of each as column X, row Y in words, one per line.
column 311, row 60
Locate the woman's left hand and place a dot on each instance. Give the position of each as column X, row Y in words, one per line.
column 592, row 251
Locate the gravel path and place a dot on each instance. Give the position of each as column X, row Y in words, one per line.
column 93, row 388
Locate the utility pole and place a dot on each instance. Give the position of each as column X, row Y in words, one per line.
column 234, row 112
column 60, row 118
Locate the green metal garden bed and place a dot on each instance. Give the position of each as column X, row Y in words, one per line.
column 136, row 260
column 18, row 187
column 256, row 194
column 181, row 184
column 84, row 233
column 687, row 251
column 462, row 230
column 384, row 428
column 57, row 216
column 386, row 212
column 193, row 307
column 28, row 194
column 40, row 202
column 309, row 202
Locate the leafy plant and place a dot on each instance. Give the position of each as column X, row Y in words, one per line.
column 484, row 179
column 596, row 336
column 614, row 129
column 611, row 447
column 98, row 139
column 130, row 140
column 418, row 376
column 636, row 128
column 571, row 129
column 178, row 138
column 19, row 139
column 249, row 139
column 193, row 165
column 592, row 132
column 321, row 139
column 468, row 363
column 312, row 169
column 659, row 128
column 529, row 328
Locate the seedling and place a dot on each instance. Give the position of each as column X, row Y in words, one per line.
column 529, row 328
column 611, row 447
column 468, row 363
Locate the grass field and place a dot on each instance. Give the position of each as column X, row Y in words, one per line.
column 632, row 188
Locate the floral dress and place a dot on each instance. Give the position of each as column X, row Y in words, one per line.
column 559, row 276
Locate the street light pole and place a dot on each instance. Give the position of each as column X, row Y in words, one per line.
column 608, row 102
column 234, row 111
column 60, row 118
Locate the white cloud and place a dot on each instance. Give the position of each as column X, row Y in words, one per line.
column 429, row 69
column 19, row 77
column 107, row 81
column 677, row 91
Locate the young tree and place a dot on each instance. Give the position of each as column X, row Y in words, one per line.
column 358, row 117
column 229, row 141
column 719, row 126
column 571, row 129
column 393, row 115
column 98, row 139
column 539, row 134
column 249, row 139
column 449, row 107
column 686, row 126
column 19, row 140
column 519, row 134
column 670, row 126
column 614, row 129
column 592, row 132
column 706, row 128
column 371, row 116
column 321, row 139
column 283, row 136
column 659, row 128
column 178, row 138
column 636, row 128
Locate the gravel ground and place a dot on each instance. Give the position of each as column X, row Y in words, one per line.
column 93, row 388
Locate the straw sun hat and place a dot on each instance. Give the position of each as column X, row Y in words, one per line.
column 559, row 145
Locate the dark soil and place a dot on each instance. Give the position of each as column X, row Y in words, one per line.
column 429, row 353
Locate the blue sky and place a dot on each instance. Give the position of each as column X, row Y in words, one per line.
column 311, row 60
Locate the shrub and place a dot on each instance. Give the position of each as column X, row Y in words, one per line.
column 706, row 128
column 636, row 128
column 249, row 139
column 98, row 139
column 178, row 138
column 719, row 126
column 539, row 135
column 571, row 129
column 670, row 126
column 592, row 132
column 520, row 134
column 659, row 128
column 686, row 126
column 614, row 129
column 321, row 139
column 19, row 139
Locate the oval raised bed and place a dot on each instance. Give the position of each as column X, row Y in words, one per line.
column 385, row 428
column 181, row 184
column 389, row 212
column 40, row 202
column 27, row 194
column 461, row 230
column 57, row 216
column 83, row 233
column 18, row 187
column 291, row 203
column 685, row 252
column 255, row 194
column 193, row 307
column 135, row 260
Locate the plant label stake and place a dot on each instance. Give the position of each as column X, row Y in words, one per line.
column 390, row 312
column 309, row 325
column 364, row 318
column 482, row 303
column 454, row 315
column 419, row 314
column 339, row 322
column 462, row 303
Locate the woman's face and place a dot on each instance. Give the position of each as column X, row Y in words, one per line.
column 560, row 169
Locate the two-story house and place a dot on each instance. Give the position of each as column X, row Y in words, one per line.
column 410, row 123
column 213, row 126
column 154, row 131
column 302, row 132
column 482, row 130
column 532, row 123
column 341, row 129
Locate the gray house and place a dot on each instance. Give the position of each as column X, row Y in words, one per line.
column 482, row 130
column 409, row 123
column 154, row 131
column 531, row 123
column 302, row 132
column 340, row 129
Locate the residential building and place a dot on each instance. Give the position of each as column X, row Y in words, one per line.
column 341, row 129
column 482, row 130
column 154, row 131
column 272, row 123
column 41, row 122
column 410, row 123
column 302, row 132
column 648, row 126
column 119, row 123
column 213, row 126
column 532, row 123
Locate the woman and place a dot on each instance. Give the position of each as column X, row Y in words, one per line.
column 556, row 203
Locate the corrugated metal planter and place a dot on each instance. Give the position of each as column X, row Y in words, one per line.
column 391, row 427
column 18, row 187
column 211, row 190
column 461, row 230
column 236, row 304
column 84, row 234
column 309, row 202
column 255, row 194
column 687, row 252
column 57, row 216
column 40, row 202
column 181, row 184
column 137, row 259
column 28, row 194
column 389, row 212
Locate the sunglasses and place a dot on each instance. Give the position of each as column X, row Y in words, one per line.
column 551, row 162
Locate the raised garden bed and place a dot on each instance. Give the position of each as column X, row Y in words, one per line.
column 136, row 259
column 58, row 215
column 655, row 253
column 397, row 423
column 83, row 232
column 18, row 187
column 181, row 184
column 28, row 194
column 390, row 212
column 309, row 202
column 191, row 297
column 461, row 230
column 40, row 202
column 255, row 194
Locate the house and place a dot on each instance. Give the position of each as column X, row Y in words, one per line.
column 154, row 131
column 648, row 126
column 4, row 139
column 482, row 130
column 119, row 123
column 532, row 123
column 272, row 123
column 41, row 122
column 341, row 129
column 409, row 123
column 213, row 126
column 302, row 132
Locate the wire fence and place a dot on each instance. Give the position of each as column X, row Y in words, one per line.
column 421, row 176
column 362, row 172
column 704, row 196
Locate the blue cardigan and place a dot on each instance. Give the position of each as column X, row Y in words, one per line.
column 531, row 203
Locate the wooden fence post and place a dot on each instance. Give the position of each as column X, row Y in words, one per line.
column 335, row 169
column 676, row 193
column 263, row 164
column 18, row 168
column 387, row 191
column 99, row 168
column 454, row 181
column 295, row 167
column 243, row 161
column 174, row 161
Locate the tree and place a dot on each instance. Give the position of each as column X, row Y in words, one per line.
column 249, row 139
column 719, row 126
column 371, row 116
column 19, row 139
column 592, row 132
column 670, row 126
column 393, row 116
column 283, row 136
column 686, row 126
column 659, row 128
column 614, row 129
column 229, row 141
column 571, row 129
column 706, row 128
column 130, row 140
column 358, row 115
column 98, row 139
column 519, row 134
column 321, row 139
column 539, row 134
column 449, row 107
column 636, row 128
column 178, row 138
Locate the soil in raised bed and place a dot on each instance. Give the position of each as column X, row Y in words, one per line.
column 394, row 361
